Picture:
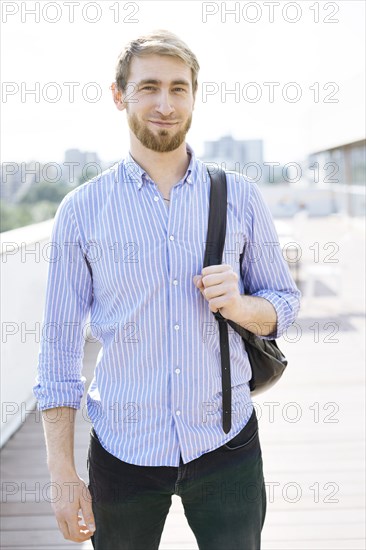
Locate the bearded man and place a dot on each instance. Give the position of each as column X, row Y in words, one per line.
column 138, row 232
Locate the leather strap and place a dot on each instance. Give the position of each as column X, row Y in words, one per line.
column 215, row 242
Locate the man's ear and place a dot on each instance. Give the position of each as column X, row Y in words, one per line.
column 117, row 97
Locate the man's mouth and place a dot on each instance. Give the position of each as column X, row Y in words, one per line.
column 163, row 124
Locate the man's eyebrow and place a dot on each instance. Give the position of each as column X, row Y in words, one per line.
column 180, row 82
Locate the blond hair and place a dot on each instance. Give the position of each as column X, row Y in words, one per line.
column 160, row 42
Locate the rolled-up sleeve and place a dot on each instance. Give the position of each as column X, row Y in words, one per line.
column 68, row 300
column 265, row 272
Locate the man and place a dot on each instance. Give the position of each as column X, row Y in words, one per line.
column 135, row 238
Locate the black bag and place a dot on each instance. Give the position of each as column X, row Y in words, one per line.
column 266, row 359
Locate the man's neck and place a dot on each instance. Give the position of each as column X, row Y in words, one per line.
column 165, row 169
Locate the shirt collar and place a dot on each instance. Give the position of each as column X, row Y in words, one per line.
column 139, row 176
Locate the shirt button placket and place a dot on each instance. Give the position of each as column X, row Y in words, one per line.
column 175, row 283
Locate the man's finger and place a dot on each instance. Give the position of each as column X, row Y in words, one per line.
column 64, row 529
column 210, row 269
column 87, row 509
column 228, row 277
column 75, row 531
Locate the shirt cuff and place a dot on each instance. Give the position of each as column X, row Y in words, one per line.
column 50, row 395
column 286, row 306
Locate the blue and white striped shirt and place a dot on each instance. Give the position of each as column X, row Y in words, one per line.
column 121, row 255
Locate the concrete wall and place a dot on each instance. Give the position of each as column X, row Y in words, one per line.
column 23, row 283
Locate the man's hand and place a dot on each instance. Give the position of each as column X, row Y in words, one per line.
column 71, row 499
column 70, row 496
column 219, row 286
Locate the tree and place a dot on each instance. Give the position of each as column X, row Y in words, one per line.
column 45, row 191
column 13, row 216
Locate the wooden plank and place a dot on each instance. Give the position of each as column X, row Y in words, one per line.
column 36, row 539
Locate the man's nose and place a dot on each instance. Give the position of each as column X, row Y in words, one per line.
column 164, row 105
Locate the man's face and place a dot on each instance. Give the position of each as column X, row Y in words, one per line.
column 159, row 101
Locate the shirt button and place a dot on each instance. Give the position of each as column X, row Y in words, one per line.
column 176, row 327
column 177, row 371
column 177, row 412
column 171, row 237
column 175, row 282
column 156, row 198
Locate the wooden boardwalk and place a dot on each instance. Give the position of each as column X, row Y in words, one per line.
column 311, row 428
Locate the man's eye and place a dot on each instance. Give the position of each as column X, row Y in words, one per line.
column 179, row 89
column 148, row 88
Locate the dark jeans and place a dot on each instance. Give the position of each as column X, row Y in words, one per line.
column 222, row 492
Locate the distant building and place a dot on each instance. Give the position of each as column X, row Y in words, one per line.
column 80, row 165
column 343, row 170
column 343, row 164
column 244, row 156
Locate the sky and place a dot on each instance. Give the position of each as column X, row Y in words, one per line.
column 310, row 54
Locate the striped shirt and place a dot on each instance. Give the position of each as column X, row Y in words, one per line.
column 121, row 255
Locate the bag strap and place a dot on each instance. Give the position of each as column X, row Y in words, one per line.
column 215, row 242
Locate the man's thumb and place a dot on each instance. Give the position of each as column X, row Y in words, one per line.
column 196, row 280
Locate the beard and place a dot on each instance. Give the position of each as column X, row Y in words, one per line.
column 162, row 142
